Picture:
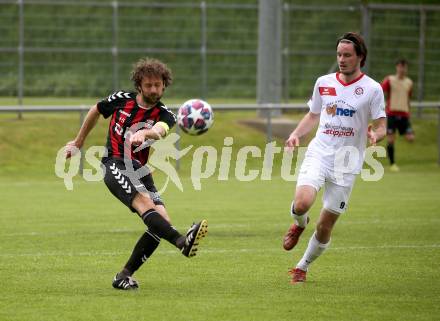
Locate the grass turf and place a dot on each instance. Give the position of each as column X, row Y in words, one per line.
column 60, row 249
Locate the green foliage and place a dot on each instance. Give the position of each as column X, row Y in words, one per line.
column 69, row 47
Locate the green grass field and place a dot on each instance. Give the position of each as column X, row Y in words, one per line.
column 59, row 249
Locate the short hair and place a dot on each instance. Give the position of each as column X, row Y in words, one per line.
column 401, row 61
column 358, row 44
column 147, row 67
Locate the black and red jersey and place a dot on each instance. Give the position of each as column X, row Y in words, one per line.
column 125, row 114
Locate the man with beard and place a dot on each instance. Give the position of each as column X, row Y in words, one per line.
column 137, row 120
column 341, row 105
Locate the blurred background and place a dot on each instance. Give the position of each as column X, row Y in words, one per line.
column 59, row 56
column 86, row 48
column 59, row 248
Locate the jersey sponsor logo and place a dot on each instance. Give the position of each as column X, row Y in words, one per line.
column 338, row 131
column 338, row 111
column 327, row 91
column 331, row 110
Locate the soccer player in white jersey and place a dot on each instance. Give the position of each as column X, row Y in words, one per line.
column 343, row 104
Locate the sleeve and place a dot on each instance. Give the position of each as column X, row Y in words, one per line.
column 107, row 106
column 167, row 117
column 377, row 104
column 315, row 102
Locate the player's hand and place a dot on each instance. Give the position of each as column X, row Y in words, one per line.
column 72, row 148
column 291, row 142
column 137, row 138
column 371, row 134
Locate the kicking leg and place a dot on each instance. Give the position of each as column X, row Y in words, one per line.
column 160, row 226
column 156, row 222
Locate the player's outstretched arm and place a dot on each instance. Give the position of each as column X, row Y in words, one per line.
column 158, row 131
column 88, row 124
column 306, row 124
column 377, row 131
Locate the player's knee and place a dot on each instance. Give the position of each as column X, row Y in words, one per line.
column 302, row 206
column 410, row 137
column 142, row 203
column 162, row 211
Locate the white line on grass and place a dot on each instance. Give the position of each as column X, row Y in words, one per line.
column 216, row 251
column 226, row 226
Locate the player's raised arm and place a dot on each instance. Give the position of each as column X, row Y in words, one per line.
column 88, row 124
column 306, row 124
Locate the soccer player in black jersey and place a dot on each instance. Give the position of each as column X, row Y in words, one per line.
column 137, row 119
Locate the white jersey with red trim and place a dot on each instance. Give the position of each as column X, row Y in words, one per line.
column 345, row 109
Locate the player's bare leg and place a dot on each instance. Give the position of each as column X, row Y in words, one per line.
column 162, row 211
column 142, row 203
column 305, row 196
column 324, row 227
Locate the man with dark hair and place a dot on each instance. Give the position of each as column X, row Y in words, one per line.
column 398, row 90
column 137, row 120
column 342, row 104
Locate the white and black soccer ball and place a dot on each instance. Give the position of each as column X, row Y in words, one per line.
column 195, row 117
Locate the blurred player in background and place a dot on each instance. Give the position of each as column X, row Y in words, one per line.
column 137, row 120
column 342, row 104
column 398, row 90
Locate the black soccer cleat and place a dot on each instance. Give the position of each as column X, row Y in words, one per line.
column 193, row 238
column 125, row 283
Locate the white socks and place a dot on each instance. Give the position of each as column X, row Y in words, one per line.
column 313, row 251
column 300, row 220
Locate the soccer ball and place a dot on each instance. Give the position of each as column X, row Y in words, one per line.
column 195, row 117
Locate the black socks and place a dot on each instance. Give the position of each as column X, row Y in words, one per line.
column 143, row 249
column 158, row 227
column 162, row 228
column 390, row 150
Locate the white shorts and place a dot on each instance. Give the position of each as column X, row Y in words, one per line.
column 337, row 187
